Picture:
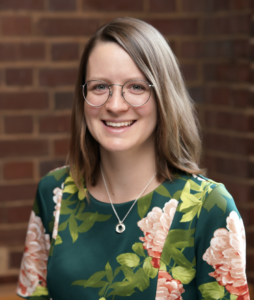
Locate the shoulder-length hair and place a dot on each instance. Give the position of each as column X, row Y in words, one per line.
column 178, row 144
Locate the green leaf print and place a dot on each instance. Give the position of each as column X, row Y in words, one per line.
column 102, row 291
column 179, row 258
column 136, row 275
column 36, row 207
column 109, row 272
column 95, row 280
column 180, row 238
column 89, row 220
column 128, row 273
column 138, row 248
column 59, row 173
column 124, row 288
column 80, row 282
column 194, row 186
column 73, row 227
column 143, row 205
column 128, row 259
column 185, row 275
column 177, row 195
column 141, row 280
column 163, row 191
column 149, row 269
column 163, row 267
column 70, row 189
column 233, row 297
column 75, row 208
column 40, row 291
column 187, row 217
column 211, row 290
column 58, row 240
column 217, row 199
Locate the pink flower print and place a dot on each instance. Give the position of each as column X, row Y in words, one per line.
column 227, row 256
column 34, row 263
column 155, row 228
column 168, row 288
column 58, row 200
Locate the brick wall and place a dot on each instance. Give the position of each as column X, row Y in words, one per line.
column 40, row 46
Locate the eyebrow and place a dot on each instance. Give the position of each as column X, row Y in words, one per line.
column 109, row 81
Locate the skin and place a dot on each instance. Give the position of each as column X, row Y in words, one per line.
column 127, row 154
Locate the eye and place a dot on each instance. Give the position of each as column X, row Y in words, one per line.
column 137, row 87
column 100, row 87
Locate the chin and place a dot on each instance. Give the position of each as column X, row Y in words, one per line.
column 118, row 147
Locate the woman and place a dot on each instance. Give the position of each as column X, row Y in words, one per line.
column 130, row 216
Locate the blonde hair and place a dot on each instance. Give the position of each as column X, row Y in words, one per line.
column 178, row 144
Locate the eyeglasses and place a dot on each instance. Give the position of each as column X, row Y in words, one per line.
column 135, row 92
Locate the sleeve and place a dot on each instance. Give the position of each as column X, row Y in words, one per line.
column 220, row 249
column 33, row 271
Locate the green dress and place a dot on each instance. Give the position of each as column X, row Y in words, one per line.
column 184, row 240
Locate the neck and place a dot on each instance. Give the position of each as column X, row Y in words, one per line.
column 126, row 175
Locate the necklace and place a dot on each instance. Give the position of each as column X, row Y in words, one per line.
column 120, row 227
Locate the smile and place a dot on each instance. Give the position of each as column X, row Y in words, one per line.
column 119, row 124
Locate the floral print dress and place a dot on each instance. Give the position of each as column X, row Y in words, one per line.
column 184, row 240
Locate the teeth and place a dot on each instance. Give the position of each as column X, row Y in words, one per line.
column 120, row 124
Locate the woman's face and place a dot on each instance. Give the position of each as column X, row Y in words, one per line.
column 110, row 63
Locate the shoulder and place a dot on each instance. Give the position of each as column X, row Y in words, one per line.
column 54, row 179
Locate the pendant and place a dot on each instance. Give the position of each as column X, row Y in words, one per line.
column 120, row 227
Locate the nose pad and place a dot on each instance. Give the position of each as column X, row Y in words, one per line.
column 110, row 93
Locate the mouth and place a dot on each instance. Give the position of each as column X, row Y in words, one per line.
column 119, row 124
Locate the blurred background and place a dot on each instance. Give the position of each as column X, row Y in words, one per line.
column 40, row 46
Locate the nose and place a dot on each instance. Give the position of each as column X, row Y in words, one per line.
column 116, row 102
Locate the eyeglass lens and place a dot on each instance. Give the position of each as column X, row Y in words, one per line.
column 135, row 92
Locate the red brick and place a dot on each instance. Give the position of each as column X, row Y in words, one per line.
column 17, row 192
column 65, row 52
column 57, row 77
column 67, row 27
column 24, row 100
column 192, row 49
column 230, row 72
column 63, row 100
column 24, row 4
column 241, row 48
column 4, row 279
column 239, row 24
column 16, row 25
column 31, row 51
column 241, row 4
column 54, row 124
column 162, row 5
column 218, row 95
column 23, row 148
column 225, row 120
column 241, row 98
column 228, row 144
column 14, row 237
column 61, row 147
column 190, row 72
column 18, row 170
column 15, row 259
column 47, row 166
column 18, row 124
column 19, row 76
column 176, row 27
column 197, row 94
column 60, row 5
column 17, row 214
column 237, row 168
column 193, row 5
column 217, row 5
column 123, row 5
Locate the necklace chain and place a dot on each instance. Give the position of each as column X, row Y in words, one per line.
column 121, row 222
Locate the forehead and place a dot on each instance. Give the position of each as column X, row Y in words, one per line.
column 110, row 61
